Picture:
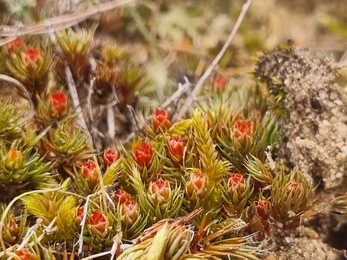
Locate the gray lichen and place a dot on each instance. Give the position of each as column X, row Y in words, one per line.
column 313, row 130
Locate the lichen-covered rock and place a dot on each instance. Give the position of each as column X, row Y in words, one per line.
column 300, row 244
column 313, row 108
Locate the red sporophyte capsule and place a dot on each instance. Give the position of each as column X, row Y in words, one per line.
column 160, row 191
column 89, row 173
column 59, row 104
column 25, row 254
column 88, row 168
column 13, row 46
column 292, row 187
column 13, row 228
column 143, row 154
column 196, row 184
column 176, row 148
column 160, row 120
column 79, row 212
column 129, row 208
column 98, row 222
column 262, row 208
column 243, row 128
column 32, row 57
column 130, row 211
column 219, row 83
column 110, row 156
column 14, row 159
column 121, row 196
column 78, row 217
column 236, row 183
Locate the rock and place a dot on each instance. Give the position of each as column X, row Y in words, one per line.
column 312, row 110
column 303, row 247
column 313, row 132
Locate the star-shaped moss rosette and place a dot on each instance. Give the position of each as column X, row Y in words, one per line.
column 13, row 46
column 107, row 70
column 129, row 79
column 66, row 146
column 11, row 122
column 176, row 151
column 53, row 108
column 239, row 130
column 291, row 197
column 55, row 207
column 132, row 221
column 14, row 228
column 147, row 156
column 244, row 138
column 22, row 169
column 75, row 51
column 158, row 199
column 31, row 67
column 101, row 228
column 236, row 195
column 160, row 121
column 86, row 178
column 260, row 172
column 5, row 51
column 110, row 156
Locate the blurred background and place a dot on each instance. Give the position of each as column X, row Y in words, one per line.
column 181, row 37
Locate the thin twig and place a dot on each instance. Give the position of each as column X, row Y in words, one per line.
column 189, row 101
column 49, row 230
column 83, row 223
column 116, row 247
column 30, row 232
column 133, row 117
column 178, row 93
column 59, row 22
column 75, row 100
column 110, row 123
column 89, row 101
